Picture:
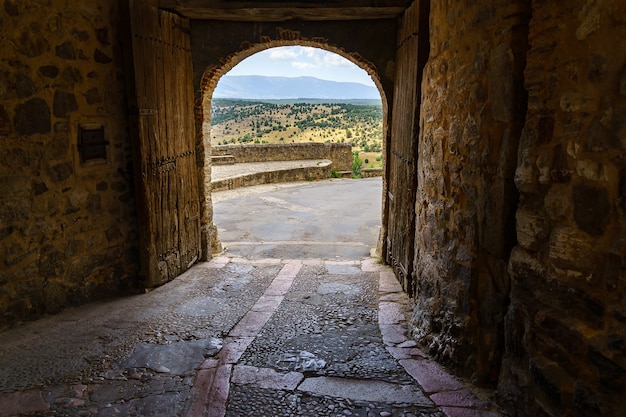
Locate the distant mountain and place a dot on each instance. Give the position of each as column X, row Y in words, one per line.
column 261, row 87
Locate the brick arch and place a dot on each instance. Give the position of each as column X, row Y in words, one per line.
column 210, row 77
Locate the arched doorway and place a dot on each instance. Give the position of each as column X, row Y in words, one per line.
column 208, row 83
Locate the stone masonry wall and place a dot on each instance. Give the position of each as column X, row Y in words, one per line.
column 67, row 231
column 472, row 112
column 339, row 153
column 566, row 326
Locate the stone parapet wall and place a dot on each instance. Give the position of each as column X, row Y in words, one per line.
column 322, row 171
column 67, row 229
column 371, row 172
column 339, row 153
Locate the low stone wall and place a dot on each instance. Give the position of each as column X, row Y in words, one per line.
column 268, row 177
column 339, row 153
column 371, row 172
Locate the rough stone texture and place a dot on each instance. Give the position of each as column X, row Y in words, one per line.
column 565, row 328
column 32, row 117
column 340, row 154
column 67, row 233
column 466, row 199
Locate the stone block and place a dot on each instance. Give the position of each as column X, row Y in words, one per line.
column 31, row 45
column 364, row 390
column 532, row 229
column 592, row 209
column 60, row 172
column 586, row 402
column 460, row 398
column 563, row 332
column 5, row 122
column 14, row 186
column 24, row 86
column 64, row 103
column 58, row 147
column 49, row 71
column 24, row 402
column 547, row 381
column 266, row 378
column 15, row 210
column 557, row 203
column 577, row 102
column 611, row 375
column 32, row 117
column 430, row 375
column 571, row 249
column 66, row 50
column 71, row 76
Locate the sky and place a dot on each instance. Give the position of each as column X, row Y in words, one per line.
column 298, row 61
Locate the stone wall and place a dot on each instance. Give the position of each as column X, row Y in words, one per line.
column 339, row 153
column 67, row 229
column 566, row 326
column 306, row 173
column 472, row 112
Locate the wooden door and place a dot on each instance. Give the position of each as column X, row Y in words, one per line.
column 164, row 152
column 403, row 146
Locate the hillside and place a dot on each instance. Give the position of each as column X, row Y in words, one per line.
column 257, row 87
column 244, row 121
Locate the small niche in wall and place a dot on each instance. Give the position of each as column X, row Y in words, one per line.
column 93, row 148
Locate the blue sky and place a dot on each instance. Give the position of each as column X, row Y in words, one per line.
column 298, row 61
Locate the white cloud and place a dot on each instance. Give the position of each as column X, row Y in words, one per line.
column 303, row 65
column 333, row 60
column 302, row 57
column 298, row 61
column 283, row 54
column 311, row 52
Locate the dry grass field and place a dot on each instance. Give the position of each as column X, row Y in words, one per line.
column 282, row 121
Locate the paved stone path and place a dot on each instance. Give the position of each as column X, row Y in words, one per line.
column 235, row 337
column 281, row 330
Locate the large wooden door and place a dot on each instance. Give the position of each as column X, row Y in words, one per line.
column 164, row 152
column 403, row 146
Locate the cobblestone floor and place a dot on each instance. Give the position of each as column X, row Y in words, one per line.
column 235, row 337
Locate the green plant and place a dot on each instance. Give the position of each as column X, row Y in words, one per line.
column 356, row 165
column 334, row 174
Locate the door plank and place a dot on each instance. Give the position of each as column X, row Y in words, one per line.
column 169, row 190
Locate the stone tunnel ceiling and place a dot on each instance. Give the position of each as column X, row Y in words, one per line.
column 273, row 11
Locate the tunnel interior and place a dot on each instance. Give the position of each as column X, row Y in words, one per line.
column 503, row 197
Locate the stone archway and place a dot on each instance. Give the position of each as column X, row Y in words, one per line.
column 208, row 82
